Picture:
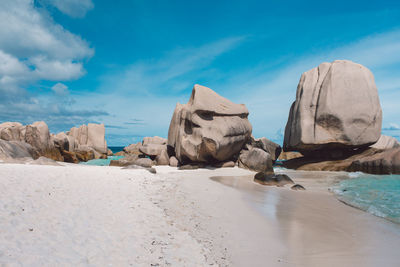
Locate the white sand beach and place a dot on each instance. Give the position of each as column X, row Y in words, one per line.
column 108, row 216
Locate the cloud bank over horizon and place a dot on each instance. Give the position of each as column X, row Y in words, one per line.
column 73, row 62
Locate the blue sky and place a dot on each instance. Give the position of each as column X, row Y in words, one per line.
column 127, row 63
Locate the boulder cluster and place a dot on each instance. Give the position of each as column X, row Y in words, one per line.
column 208, row 130
column 334, row 124
column 19, row 141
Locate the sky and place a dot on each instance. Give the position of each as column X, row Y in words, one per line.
column 127, row 63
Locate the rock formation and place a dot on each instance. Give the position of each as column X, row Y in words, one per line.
column 16, row 149
column 289, row 155
column 268, row 146
column 209, row 128
column 386, row 142
column 256, row 159
column 337, row 108
column 90, row 137
column 386, row 162
column 37, row 135
column 133, row 149
column 79, row 144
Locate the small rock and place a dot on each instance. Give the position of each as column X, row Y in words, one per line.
column 272, row 179
column 173, row 162
column 297, row 187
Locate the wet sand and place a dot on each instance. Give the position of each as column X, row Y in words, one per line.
column 316, row 229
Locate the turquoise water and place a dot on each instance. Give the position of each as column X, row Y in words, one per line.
column 376, row 194
column 116, row 149
column 101, row 162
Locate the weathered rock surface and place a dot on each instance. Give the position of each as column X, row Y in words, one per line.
column 109, row 152
column 386, row 162
column 91, row 135
column 144, row 162
column 154, row 140
column 36, row 134
column 133, row 148
column 257, row 160
column 289, row 155
column 337, row 107
column 70, row 157
column 153, row 150
column 272, row 179
column 268, row 146
column 16, row 149
column 322, row 164
column 121, row 153
column 85, row 154
column 173, row 162
column 386, row 142
column 11, row 131
column 127, row 160
column 209, row 128
column 62, row 142
column 162, row 158
column 80, row 144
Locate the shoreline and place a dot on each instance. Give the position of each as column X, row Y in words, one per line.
column 106, row 215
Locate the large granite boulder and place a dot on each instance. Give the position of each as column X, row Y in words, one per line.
column 268, row 146
column 257, row 160
column 154, row 140
column 36, row 134
column 91, row 135
column 152, row 150
column 386, row 162
column 209, row 128
column 133, row 148
column 11, row 131
column 61, row 141
column 16, row 149
column 162, row 158
column 386, row 142
column 337, row 108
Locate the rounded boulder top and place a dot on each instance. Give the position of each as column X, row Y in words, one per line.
column 337, row 106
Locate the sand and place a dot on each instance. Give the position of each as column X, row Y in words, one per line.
column 107, row 216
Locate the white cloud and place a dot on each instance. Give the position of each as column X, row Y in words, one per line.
column 60, row 89
column 33, row 47
column 56, row 70
column 73, row 8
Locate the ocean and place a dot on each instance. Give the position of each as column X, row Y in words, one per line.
column 102, row 162
column 116, row 149
column 376, row 194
